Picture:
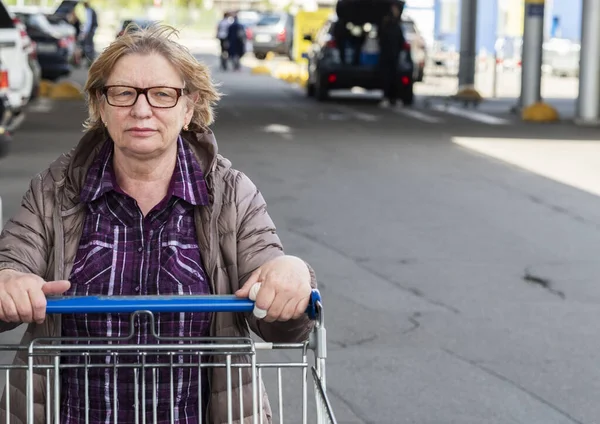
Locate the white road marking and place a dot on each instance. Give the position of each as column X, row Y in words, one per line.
column 418, row 115
column 361, row 116
column 40, row 105
column 471, row 114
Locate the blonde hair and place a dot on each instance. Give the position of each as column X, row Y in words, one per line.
column 154, row 39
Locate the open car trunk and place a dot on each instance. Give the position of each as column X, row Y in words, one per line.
column 360, row 12
column 357, row 30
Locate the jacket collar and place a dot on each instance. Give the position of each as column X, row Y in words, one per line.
column 69, row 171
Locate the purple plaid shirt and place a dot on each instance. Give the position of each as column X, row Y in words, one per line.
column 121, row 252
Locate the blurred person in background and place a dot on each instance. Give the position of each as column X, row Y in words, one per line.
column 73, row 19
column 222, row 36
column 391, row 40
column 88, row 32
column 236, row 38
column 145, row 205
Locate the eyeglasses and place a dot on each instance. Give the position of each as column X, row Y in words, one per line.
column 126, row 96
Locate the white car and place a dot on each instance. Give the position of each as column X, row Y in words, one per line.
column 14, row 56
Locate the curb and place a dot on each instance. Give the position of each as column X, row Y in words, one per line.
column 290, row 72
column 64, row 90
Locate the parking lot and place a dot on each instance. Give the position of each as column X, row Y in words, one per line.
column 455, row 251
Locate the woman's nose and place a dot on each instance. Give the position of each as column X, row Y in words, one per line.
column 141, row 108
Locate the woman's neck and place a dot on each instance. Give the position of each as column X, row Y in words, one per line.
column 147, row 181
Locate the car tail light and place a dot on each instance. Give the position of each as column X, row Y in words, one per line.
column 249, row 34
column 406, row 46
column 33, row 53
column 63, row 43
column 281, row 35
column 405, row 80
column 331, row 44
column 332, row 78
column 22, row 29
column 3, row 79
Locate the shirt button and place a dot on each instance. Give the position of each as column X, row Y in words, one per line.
column 140, row 249
column 137, row 289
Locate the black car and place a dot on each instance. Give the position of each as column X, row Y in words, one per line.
column 66, row 7
column 330, row 68
column 54, row 51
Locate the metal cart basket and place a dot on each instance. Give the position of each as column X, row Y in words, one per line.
column 145, row 361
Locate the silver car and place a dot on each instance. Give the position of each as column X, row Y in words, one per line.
column 274, row 32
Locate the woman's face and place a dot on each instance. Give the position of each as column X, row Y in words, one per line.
column 141, row 130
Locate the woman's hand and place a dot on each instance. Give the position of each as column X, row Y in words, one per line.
column 284, row 289
column 23, row 296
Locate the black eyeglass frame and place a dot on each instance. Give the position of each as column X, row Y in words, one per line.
column 180, row 92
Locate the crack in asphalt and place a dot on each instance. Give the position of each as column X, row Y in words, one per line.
column 545, row 283
column 354, row 343
column 349, row 404
column 414, row 291
column 414, row 321
column 561, row 210
column 512, row 383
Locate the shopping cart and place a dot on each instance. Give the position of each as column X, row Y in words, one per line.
column 116, row 354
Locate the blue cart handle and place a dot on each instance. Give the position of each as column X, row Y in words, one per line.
column 157, row 304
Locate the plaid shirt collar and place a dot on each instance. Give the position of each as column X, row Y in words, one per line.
column 187, row 182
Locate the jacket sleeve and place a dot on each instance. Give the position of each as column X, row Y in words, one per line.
column 258, row 243
column 24, row 239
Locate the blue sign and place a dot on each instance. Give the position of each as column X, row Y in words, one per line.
column 555, row 29
column 533, row 10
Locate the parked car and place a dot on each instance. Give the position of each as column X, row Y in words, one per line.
column 248, row 19
column 561, row 57
column 274, row 32
column 5, row 114
column 326, row 69
column 17, row 76
column 508, row 53
column 418, row 46
column 443, row 58
column 30, row 50
column 55, row 47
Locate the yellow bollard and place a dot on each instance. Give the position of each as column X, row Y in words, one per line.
column 45, row 88
column 540, row 112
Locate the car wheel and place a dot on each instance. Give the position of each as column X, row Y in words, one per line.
column 321, row 89
column 260, row 56
column 5, row 141
column 420, row 75
column 408, row 97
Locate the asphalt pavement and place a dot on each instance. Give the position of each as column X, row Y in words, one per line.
column 456, row 250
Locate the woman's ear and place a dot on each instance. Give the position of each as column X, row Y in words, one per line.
column 194, row 97
column 100, row 96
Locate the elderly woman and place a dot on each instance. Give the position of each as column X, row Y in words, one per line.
column 144, row 205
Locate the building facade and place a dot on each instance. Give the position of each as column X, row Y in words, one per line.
column 441, row 20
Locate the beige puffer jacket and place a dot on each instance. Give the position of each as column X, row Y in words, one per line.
column 235, row 235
